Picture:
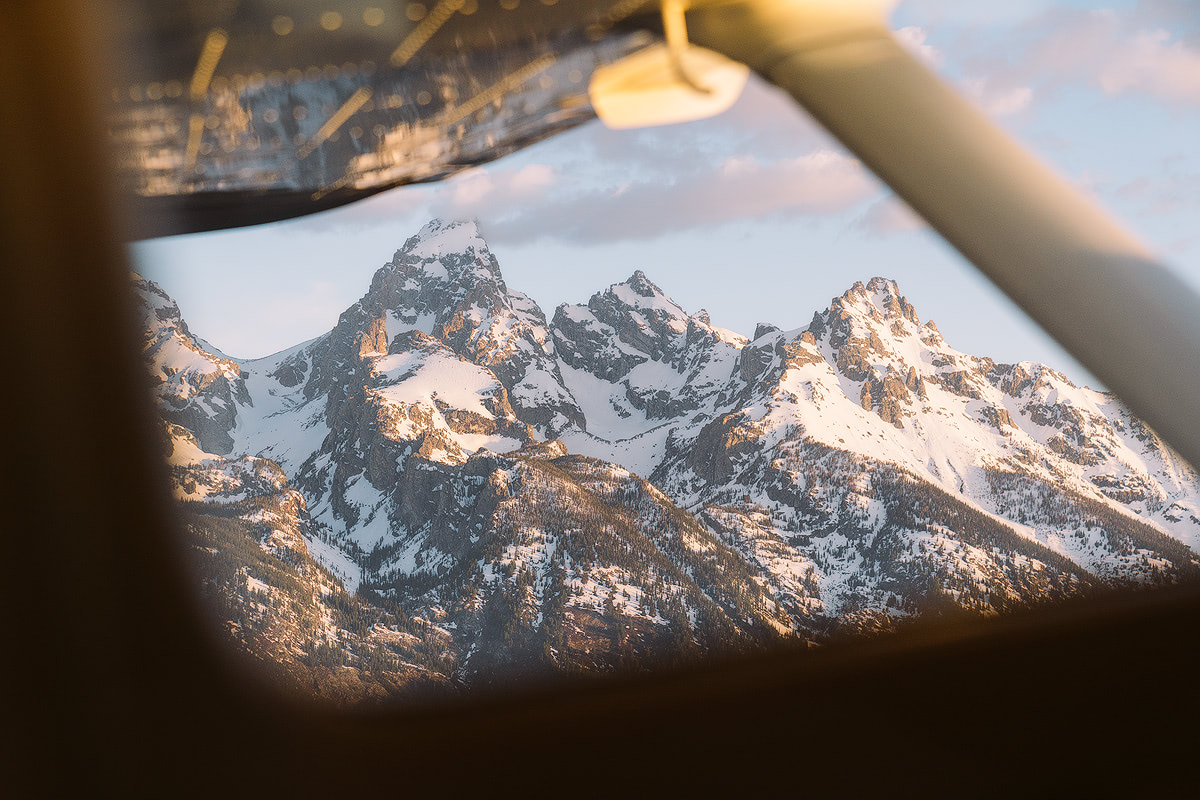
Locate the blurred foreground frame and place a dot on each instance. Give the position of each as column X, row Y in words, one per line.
column 112, row 678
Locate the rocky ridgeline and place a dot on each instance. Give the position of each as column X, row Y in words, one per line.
column 196, row 387
column 629, row 484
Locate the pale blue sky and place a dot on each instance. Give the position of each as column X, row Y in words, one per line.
column 757, row 215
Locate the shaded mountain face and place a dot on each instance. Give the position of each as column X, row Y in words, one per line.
column 641, row 368
column 196, row 386
column 629, row 484
column 445, row 283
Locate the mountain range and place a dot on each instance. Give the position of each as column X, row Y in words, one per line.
column 447, row 489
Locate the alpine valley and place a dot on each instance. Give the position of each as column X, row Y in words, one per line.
column 449, row 490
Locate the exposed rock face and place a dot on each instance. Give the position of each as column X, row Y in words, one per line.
column 798, row 352
column 197, row 388
column 252, row 542
column 584, row 342
column 446, row 283
column 756, row 358
column 762, row 329
column 998, row 417
column 721, row 445
column 631, row 480
column 962, row 383
column 646, row 374
column 642, row 316
column 292, row 372
column 634, row 324
column 808, row 460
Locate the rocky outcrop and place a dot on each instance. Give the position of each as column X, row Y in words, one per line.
column 999, row 418
column 584, row 342
column 963, row 383
column 668, row 364
column 721, row 446
column 445, row 282
column 197, row 388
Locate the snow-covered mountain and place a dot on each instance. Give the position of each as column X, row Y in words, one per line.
column 865, row 448
column 642, row 368
column 629, row 483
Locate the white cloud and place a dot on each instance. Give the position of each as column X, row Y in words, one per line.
column 1006, row 63
column 998, row 101
column 471, row 188
column 914, row 38
column 1153, row 63
column 534, row 178
column 997, row 98
column 1110, row 50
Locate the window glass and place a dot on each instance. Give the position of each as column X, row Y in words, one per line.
column 623, row 400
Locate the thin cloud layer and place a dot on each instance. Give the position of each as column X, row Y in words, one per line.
column 997, row 99
column 995, row 95
column 595, row 185
column 1108, row 50
column 821, row 183
column 1132, row 52
column 915, row 40
column 494, row 193
column 1163, row 195
column 957, row 12
column 1155, row 63
column 891, row 215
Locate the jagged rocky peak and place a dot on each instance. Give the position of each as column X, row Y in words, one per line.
column 641, row 315
column 764, row 328
column 860, row 329
column 858, row 321
column 162, row 315
column 863, row 325
column 424, row 284
column 198, row 387
column 161, row 318
column 625, row 325
column 445, row 283
column 862, row 308
column 647, row 314
column 439, row 237
column 867, row 335
column 640, row 285
column 884, row 295
column 153, row 300
column 444, row 265
column 632, row 323
column 446, row 275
